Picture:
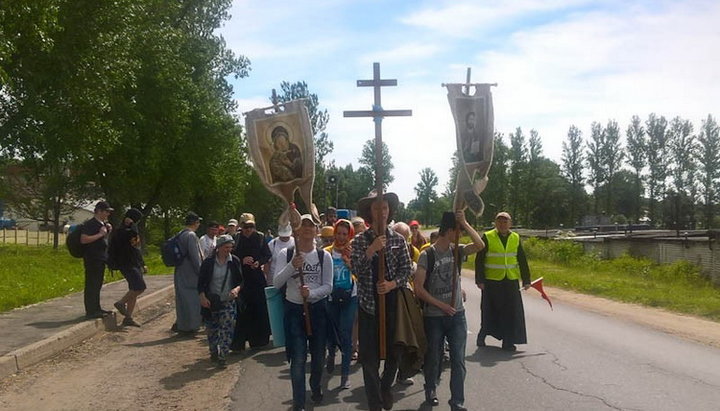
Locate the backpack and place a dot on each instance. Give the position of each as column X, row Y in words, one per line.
column 172, row 255
column 72, row 241
column 291, row 252
column 430, row 252
column 321, row 257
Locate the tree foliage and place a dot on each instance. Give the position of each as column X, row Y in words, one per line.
column 425, row 193
column 127, row 97
column 636, row 158
column 572, row 169
column 709, row 166
column 368, row 164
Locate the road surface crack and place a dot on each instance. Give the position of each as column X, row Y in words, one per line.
column 555, row 387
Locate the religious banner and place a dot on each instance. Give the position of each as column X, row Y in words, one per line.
column 474, row 131
column 283, row 152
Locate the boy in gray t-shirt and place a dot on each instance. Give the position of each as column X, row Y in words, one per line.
column 443, row 319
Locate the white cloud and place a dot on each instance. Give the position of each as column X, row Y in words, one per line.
column 468, row 18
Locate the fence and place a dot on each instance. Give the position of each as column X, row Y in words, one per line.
column 29, row 238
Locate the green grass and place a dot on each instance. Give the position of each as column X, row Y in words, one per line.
column 676, row 287
column 32, row 274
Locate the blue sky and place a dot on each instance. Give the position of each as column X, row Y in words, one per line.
column 557, row 63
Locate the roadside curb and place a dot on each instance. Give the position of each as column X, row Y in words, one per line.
column 28, row 355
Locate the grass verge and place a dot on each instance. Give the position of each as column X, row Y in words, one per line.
column 676, row 287
column 32, row 274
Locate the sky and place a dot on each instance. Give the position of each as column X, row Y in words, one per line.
column 557, row 63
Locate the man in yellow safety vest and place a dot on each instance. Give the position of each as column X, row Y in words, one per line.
column 498, row 267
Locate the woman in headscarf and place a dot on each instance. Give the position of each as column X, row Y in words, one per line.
column 219, row 285
column 342, row 305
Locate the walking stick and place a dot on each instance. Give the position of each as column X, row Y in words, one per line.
column 295, row 221
column 306, row 307
column 456, row 254
column 382, row 326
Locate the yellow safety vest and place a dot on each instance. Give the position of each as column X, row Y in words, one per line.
column 501, row 262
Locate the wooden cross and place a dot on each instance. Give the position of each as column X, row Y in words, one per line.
column 377, row 113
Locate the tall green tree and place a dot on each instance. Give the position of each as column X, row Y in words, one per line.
column 683, row 151
column 368, row 164
column 518, row 157
column 657, row 159
column 613, row 155
column 425, row 192
column 497, row 194
column 709, row 166
column 573, row 161
column 534, row 195
column 595, row 160
column 59, row 83
column 636, row 158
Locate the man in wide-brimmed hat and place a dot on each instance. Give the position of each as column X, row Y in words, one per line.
column 365, row 259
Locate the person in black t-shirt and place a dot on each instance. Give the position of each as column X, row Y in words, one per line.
column 126, row 256
column 95, row 238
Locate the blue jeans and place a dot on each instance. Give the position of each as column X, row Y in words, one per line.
column 455, row 330
column 342, row 318
column 296, row 344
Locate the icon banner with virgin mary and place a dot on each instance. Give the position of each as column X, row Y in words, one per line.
column 282, row 150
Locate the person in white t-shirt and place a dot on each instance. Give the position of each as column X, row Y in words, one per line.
column 277, row 244
column 207, row 241
column 313, row 267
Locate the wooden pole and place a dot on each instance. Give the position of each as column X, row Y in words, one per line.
column 456, row 252
column 306, row 306
column 377, row 113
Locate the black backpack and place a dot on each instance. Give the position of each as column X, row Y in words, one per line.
column 291, row 252
column 72, row 241
column 321, row 257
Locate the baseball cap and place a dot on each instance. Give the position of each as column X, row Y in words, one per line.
column 104, row 206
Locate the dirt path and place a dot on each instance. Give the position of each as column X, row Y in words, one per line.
column 147, row 368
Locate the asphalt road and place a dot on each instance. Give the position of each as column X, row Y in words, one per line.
column 575, row 360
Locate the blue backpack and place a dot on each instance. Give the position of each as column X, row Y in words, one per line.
column 172, row 255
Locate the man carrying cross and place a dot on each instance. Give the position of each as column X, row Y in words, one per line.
column 365, row 262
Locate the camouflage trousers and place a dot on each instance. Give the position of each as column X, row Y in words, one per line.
column 220, row 329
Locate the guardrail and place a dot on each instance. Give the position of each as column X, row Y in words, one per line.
column 29, row 238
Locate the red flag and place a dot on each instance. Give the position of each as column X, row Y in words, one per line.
column 537, row 284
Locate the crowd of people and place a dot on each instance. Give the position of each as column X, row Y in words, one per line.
column 342, row 280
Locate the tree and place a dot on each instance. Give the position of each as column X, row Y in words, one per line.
column 318, row 117
column 59, row 81
column 497, row 194
column 518, row 168
column 572, row 168
column 368, row 164
column 612, row 157
column 683, row 151
column 656, row 154
column 636, row 158
column 129, row 97
column 533, row 193
column 709, row 165
column 425, row 192
column 452, row 181
column 596, row 161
